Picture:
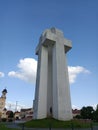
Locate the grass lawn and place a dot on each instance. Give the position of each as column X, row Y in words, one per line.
column 95, row 123
column 50, row 122
column 3, row 127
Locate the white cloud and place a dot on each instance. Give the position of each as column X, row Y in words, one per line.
column 27, row 70
column 74, row 71
column 28, row 66
column 75, row 107
column 1, row 74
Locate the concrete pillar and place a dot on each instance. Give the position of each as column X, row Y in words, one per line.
column 40, row 103
column 61, row 94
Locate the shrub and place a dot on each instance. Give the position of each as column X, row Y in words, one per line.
column 3, row 119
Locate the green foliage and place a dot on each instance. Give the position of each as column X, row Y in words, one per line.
column 78, row 117
column 87, row 112
column 11, row 115
column 3, row 119
column 96, row 114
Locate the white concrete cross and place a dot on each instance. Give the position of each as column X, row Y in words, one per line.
column 52, row 94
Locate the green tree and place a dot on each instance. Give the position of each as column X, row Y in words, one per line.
column 96, row 114
column 11, row 114
column 87, row 112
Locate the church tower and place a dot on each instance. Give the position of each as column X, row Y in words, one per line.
column 3, row 99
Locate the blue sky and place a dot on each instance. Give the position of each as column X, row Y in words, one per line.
column 21, row 24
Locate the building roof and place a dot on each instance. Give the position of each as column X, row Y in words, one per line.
column 76, row 111
column 24, row 110
column 17, row 112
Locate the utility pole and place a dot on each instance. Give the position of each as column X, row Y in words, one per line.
column 16, row 106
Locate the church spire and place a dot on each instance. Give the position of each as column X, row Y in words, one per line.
column 4, row 92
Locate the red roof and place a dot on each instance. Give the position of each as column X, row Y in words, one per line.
column 76, row 111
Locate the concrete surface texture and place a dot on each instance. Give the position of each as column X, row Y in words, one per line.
column 52, row 94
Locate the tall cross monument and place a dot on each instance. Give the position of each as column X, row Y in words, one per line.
column 52, row 93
